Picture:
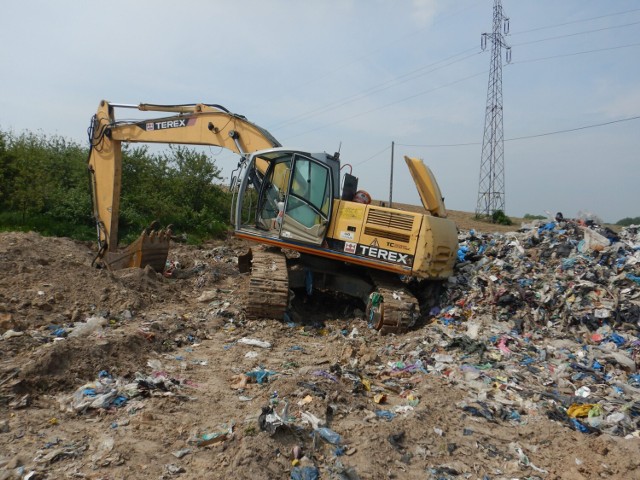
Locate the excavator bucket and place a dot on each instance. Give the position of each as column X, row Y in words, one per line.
column 150, row 248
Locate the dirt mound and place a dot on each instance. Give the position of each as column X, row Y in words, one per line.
column 50, row 281
column 134, row 374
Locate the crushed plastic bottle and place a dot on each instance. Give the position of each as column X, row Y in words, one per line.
column 328, row 435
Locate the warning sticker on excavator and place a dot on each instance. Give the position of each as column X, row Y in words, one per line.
column 351, row 213
column 347, row 235
column 350, row 247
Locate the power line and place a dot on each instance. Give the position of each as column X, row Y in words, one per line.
column 573, row 129
column 452, row 83
column 555, row 132
column 576, row 53
column 577, row 33
column 438, row 145
column 414, row 74
column 372, row 156
column 424, row 92
column 410, row 97
column 358, row 59
column 377, row 88
column 575, row 21
column 419, row 72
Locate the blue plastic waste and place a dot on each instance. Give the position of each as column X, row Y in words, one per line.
column 617, row 339
column 547, row 227
column 260, row 376
column 462, row 251
column 578, row 426
column 634, row 380
column 386, row 414
column 120, row 400
column 305, row 473
column 329, row 435
column 308, row 282
column 635, row 278
column 60, row 332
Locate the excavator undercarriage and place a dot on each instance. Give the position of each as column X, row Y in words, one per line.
column 390, row 305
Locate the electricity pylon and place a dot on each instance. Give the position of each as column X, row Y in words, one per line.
column 491, row 184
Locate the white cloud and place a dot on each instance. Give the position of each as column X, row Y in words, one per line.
column 423, row 11
column 624, row 104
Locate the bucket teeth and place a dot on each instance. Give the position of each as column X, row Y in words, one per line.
column 150, row 248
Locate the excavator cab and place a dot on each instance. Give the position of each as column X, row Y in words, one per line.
column 295, row 196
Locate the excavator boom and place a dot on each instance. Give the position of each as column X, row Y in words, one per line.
column 197, row 124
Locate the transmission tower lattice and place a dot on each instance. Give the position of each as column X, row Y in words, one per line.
column 491, row 185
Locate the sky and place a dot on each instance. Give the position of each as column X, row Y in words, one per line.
column 357, row 75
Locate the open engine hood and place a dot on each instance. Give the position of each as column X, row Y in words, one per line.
column 427, row 187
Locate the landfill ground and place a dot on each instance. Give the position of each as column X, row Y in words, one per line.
column 525, row 368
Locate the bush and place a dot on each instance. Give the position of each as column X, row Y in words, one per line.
column 528, row 216
column 500, row 218
column 625, row 222
column 44, row 186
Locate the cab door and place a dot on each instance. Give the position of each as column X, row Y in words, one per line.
column 308, row 204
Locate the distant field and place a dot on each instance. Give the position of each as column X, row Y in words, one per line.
column 467, row 220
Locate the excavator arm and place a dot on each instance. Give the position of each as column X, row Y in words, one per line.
column 197, row 124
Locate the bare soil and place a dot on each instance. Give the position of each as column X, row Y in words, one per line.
column 202, row 418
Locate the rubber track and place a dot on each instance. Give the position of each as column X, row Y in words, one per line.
column 268, row 295
column 400, row 308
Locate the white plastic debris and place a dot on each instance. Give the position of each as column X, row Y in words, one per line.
column 92, row 324
column 254, row 342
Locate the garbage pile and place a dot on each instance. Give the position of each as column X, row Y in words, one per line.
column 544, row 320
column 109, row 393
column 533, row 344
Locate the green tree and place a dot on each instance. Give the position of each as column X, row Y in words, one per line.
column 69, row 201
column 7, row 170
column 34, row 180
column 145, row 196
column 200, row 203
column 44, row 185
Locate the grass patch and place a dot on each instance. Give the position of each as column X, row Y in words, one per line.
column 45, row 225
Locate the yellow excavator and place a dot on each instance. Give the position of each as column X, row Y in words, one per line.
column 287, row 199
